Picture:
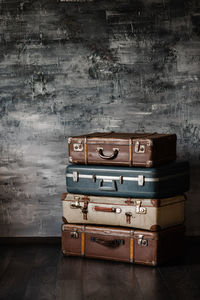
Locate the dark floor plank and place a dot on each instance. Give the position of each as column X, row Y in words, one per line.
column 42, row 279
column 151, row 283
column 183, row 278
column 15, row 277
column 69, row 283
column 5, row 257
column 97, row 279
column 41, row 272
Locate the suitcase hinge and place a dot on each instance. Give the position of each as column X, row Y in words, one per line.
column 139, row 148
column 128, row 217
column 139, row 209
column 142, row 241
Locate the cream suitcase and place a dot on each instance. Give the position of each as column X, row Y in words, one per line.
column 149, row 214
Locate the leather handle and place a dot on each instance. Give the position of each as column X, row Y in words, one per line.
column 112, row 156
column 104, row 209
column 108, row 243
column 107, row 188
column 107, row 209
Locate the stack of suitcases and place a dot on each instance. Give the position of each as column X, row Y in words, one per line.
column 125, row 198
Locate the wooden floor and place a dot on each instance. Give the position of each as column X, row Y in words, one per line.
column 41, row 272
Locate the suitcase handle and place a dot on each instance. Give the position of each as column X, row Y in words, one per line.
column 107, row 188
column 116, row 210
column 112, row 156
column 108, row 243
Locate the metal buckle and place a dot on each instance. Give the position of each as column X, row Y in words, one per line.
column 139, row 209
column 76, row 204
column 142, row 241
column 74, row 234
column 78, row 147
column 139, row 148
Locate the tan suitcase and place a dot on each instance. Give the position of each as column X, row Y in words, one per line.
column 122, row 149
column 123, row 244
column 149, row 214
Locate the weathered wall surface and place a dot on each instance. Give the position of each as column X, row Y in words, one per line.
column 73, row 68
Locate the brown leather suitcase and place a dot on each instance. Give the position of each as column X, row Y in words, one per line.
column 123, row 244
column 122, row 149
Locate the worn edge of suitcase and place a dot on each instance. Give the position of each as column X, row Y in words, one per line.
column 130, row 201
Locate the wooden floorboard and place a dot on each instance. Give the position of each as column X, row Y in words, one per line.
column 41, row 272
column 15, row 277
column 5, row 257
column 42, row 280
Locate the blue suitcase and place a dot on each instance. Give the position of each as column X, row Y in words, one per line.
column 164, row 181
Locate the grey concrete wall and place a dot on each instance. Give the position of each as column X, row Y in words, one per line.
column 73, row 68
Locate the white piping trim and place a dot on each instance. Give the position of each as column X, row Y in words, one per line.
column 157, row 179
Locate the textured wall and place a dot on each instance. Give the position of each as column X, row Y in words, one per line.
column 72, row 68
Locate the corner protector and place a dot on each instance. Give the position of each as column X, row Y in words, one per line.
column 63, row 196
column 64, row 220
column 149, row 143
column 64, row 252
column 149, row 163
column 155, row 227
column 155, row 202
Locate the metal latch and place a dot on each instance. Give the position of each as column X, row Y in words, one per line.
column 76, row 204
column 75, row 176
column 142, row 241
column 139, row 209
column 139, row 148
column 74, row 234
column 78, row 147
column 140, row 179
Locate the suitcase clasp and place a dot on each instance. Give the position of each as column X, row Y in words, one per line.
column 139, row 209
column 142, row 241
column 78, row 147
column 76, row 204
column 75, row 176
column 74, row 234
column 140, row 179
column 139, row 148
